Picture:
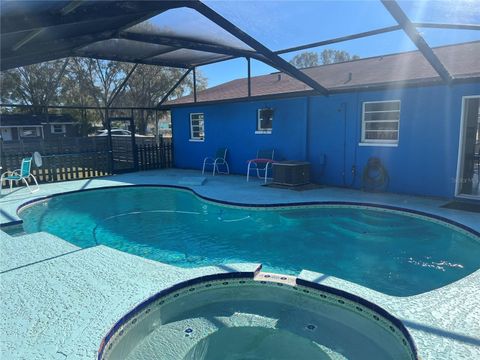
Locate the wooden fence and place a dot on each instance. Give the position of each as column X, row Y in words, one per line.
column 154, row 156
column 63, row 167
column 88, row 164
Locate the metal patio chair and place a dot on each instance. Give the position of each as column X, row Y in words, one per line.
column 261, row 164
column 220, row 159
column 22, row 174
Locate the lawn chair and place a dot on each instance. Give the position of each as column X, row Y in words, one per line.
column 22, row 174
column 219, row 159
column 261, row 164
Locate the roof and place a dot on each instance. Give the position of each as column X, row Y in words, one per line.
column 409, row 68
column 33, row 120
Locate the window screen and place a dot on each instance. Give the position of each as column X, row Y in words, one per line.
column 265, row 120
column 58, row 129
column 380, row 122
column 29, row 132
column 197, row 127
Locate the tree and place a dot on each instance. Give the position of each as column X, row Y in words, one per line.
column 33, row 84
column 76, row 91
column 305, row 59
column 327, row 56
column 92, row 82
column 148, row 84
column 104, row 79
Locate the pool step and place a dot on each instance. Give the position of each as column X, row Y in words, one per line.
column 182, row 339
column 192, row 180
column 24, row 250
column 173, row 340
column 14, row 230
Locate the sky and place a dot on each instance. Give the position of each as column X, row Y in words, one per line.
column 283, row 24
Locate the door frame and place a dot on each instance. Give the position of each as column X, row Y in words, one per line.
column 461, row 149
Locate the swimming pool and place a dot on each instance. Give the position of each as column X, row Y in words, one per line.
column 392, row 252
column 229, row 318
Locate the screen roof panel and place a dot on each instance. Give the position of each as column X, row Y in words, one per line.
column 124, row 48
column 37, row 31
column 284, row 24
column 453, row 12
column 175, row 33
column 189, row 56
column 188, row 23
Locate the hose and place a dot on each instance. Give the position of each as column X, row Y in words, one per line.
column 375, row 176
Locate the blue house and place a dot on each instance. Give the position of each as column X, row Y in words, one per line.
column 425, row 132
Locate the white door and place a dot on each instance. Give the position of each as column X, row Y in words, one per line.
column 468, row 168
column 6, row 134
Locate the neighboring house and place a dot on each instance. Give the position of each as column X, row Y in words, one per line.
column 28, row 126
column 394, row 107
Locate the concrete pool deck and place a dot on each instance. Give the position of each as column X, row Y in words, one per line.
column 58, row 301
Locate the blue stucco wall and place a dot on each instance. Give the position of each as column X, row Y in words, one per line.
column 305, row 128
column 233, row 125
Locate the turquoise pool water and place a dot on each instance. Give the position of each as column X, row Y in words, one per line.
column 389, row 252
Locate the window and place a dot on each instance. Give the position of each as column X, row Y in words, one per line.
column 197, row 132
column 264, row 121
column 29, row 132
column 380, row 122
column 58, row 129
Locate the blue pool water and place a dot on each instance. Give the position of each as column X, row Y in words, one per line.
column 387, row 251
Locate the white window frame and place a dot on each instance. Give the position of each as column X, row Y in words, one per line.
column 63, row 131
column 259, row 130
column 21, row 129
column 380, row 142
column 200, row 129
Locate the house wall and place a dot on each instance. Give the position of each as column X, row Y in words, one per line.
column 18, row 131
column 306, row 128
column 71, row 130
column 233, row 125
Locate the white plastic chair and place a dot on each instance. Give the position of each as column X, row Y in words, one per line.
column 22, row 174
column 220, row 159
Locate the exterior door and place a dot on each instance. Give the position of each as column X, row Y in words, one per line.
column 468, row 171
column 121, row 138
column 6, row 134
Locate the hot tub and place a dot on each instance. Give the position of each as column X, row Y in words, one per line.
column 231, row 316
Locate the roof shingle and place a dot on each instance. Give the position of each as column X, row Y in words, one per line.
column 32, row 120
column 461, row 60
